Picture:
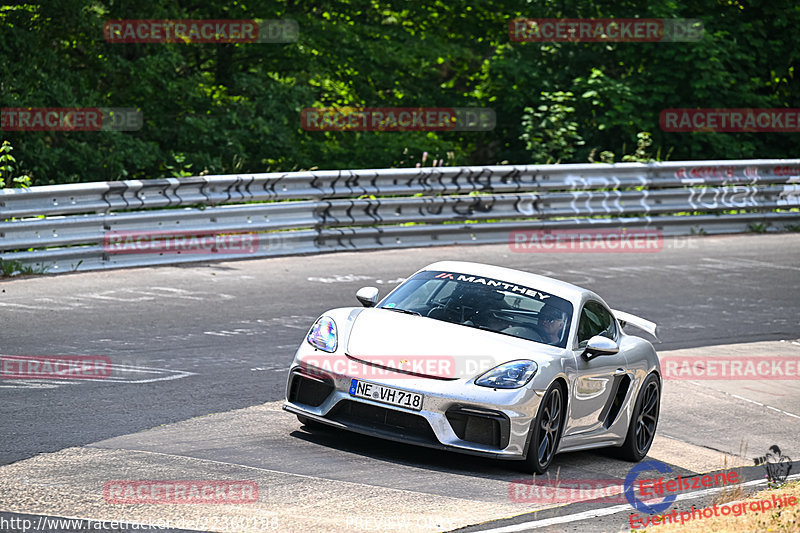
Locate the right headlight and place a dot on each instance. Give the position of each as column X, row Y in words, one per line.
column 511, row 375
column 323, row 334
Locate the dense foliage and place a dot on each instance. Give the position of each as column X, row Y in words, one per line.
column 228, row 108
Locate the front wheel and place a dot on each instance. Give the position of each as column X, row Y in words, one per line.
column 642, row 428
column 546, row 431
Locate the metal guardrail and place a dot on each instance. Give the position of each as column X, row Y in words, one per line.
column 73, row 227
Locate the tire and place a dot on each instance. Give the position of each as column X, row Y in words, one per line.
column 546, row 431
column 642, row 428
column 310, row 424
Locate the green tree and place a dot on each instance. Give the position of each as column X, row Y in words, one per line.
column 8, row 174
column 235, row 108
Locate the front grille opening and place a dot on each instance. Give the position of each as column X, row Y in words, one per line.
column 311, row 390
column 349, row 412
column 480, row 426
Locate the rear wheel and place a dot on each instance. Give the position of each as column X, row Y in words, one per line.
column 546, row 431
column 642, row 428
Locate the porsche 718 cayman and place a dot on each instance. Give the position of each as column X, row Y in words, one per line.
column 482, row 360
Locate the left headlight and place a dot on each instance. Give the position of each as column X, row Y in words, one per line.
column 323, row 334
column 511, row 375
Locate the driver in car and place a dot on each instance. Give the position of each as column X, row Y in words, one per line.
column 551, row 324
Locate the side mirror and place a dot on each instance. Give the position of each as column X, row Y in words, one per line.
column 598, row 345
column 368, row 296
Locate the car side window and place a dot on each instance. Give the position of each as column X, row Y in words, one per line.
column 595, row 320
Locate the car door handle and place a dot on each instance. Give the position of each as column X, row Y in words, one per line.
column 619, row 372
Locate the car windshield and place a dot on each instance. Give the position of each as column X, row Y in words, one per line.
column 484, row 303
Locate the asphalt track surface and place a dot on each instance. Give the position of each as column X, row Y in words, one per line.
column 200, row 354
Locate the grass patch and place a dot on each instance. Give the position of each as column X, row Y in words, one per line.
column 15, row 268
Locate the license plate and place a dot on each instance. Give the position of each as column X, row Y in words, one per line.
column 380, row 393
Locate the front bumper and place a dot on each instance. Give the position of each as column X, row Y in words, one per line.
column 456, row 415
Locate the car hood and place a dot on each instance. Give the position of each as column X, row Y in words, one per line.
column 434, row 348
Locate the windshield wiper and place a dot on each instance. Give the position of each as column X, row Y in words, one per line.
column 406, row 311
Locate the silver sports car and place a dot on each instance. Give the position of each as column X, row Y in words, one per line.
column 482, row 360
